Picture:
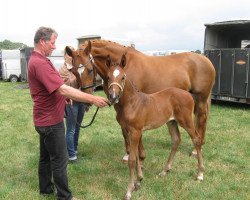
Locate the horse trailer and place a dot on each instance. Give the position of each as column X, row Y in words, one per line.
column 57, row 59
column 10, row 65
column 227, row 45
column 25, row 56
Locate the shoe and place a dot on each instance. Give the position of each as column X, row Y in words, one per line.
column 73, row 159
column 125, row 158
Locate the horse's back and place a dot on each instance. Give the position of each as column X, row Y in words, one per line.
column 188, row 71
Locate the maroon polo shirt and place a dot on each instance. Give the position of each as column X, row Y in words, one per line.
column 44, row 80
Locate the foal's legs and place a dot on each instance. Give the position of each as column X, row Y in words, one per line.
column 134, row 163
column 142, row 154
column 176, row 139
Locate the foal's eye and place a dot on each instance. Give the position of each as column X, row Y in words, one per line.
column 80, row 65
column 123, row 78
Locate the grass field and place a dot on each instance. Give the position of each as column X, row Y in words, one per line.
column 100, row 174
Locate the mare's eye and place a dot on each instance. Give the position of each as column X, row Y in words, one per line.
column 123, row 78
column 80, row 65
column 90, row 71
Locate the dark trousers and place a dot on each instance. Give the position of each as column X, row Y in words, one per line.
column 53, row 161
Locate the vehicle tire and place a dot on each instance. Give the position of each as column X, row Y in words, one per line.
column 13, row 78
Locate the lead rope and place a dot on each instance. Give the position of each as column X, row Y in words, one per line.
column 84, row 126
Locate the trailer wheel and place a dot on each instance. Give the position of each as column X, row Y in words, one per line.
column 13, row 78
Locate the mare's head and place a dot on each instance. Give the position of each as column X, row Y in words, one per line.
column 116, row 79
column 82, row 62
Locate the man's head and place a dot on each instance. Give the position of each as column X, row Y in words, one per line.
column 44, row 40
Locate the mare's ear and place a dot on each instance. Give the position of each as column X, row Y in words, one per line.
column 108, row 61
column 123, row 61
column 87, row 50
column 68, row 51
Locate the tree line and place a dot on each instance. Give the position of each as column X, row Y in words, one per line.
column 7, row 44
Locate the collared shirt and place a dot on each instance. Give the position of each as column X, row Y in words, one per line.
column 68, row 77
column 44, row 80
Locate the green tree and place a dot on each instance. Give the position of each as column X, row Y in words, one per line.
column 7, row 44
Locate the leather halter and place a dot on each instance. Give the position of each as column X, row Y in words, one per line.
column 92, row 62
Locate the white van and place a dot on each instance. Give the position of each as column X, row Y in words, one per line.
column 10, row 65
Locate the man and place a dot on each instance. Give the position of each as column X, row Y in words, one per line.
column 48, row 93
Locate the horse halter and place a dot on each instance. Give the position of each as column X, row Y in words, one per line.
column 92, row 62
column 121, row 86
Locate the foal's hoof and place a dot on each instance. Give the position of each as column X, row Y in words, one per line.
column 137, row 185
column 127, row 197
column 199, row 178
column 194, row 153
column 163, row 173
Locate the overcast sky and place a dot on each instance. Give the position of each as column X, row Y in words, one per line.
column 150, row 24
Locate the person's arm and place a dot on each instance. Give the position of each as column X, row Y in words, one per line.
column 77, row 95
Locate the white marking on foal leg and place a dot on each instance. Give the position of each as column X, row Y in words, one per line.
column 125, row 158
column 128, row 195
column 200, row 177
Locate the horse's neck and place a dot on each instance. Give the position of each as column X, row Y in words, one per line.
column 131, row 94
column 100, row 52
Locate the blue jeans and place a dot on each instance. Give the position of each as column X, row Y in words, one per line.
column 74, row 117
column 53, row 161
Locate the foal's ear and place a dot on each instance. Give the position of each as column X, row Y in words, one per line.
column 123, row 61
column 108, row 61
column 68, row 51
column 87, row 50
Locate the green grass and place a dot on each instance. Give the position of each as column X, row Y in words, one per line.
column 100, row 174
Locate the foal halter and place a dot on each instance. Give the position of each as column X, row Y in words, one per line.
column 121, row 86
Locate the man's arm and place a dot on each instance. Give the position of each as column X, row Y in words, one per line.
column 77, row 95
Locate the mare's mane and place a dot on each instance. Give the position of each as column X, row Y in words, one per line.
column 107, row 44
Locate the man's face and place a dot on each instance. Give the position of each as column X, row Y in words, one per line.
column 49, row 46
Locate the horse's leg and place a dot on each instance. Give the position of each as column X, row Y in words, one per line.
column 201, row 114
column 188, row 125
column 176, row 139
column 142, row 154
column 133, row 163
column 126, row 142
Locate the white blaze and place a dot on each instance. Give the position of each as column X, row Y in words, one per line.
column 116, row 73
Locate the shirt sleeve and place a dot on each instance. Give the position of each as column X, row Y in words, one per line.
column 49, row 76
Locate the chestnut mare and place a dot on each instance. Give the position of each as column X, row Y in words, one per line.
column 137, row 112
column 188, row 71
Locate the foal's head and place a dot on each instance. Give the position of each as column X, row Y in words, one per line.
column 116, row 79
column 83, row 63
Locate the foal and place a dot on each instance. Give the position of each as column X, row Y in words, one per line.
column 137, row 112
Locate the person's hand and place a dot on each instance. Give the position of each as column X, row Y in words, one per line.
column 101, row 101
column 69, row 101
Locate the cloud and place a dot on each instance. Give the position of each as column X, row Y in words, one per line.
column 151, row 24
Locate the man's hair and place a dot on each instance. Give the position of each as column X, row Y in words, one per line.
column 44, row 33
